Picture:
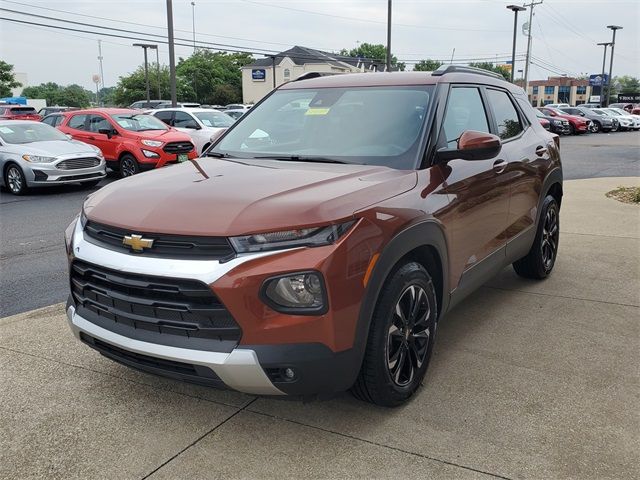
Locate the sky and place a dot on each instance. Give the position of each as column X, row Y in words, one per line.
column 565, row 32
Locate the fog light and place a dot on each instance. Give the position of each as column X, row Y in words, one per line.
column 298, row 293
column 150, row 154
column 289, row 373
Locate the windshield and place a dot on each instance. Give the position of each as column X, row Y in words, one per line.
column 22, row 110
column 30, row 132
column 214, row 119
column 613, row 112
column 139, row 122
column 369, row 125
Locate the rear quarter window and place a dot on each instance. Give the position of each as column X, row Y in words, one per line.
column 506, row 115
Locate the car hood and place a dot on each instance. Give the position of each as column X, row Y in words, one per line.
column 575, row 118
column 219, row 197
column 162, row 135
column 52, row 148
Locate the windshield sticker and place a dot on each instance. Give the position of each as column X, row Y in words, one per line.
column 317, row 111
column 6, row 130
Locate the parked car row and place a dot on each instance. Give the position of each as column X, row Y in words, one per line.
column 564, row 119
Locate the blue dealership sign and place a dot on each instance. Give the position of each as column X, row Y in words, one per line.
column 596, row 80
column 258, row 74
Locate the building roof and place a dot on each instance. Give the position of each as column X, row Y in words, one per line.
column 304, row 55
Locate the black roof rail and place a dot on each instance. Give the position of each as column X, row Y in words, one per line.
column 444, row 69
column 310, row 75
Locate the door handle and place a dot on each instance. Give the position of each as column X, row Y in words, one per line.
column 540, row 151
column 499, row 165
column 91, row 137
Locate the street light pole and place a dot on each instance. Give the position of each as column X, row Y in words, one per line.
column 389, row 37
column 515, row 9
column 146, row 65
column 158, row 71
column 193, row 22
column 602, row 82
column 613, row 46
column 172, row 60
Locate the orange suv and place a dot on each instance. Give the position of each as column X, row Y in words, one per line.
column 130, row 141
column 324, row 236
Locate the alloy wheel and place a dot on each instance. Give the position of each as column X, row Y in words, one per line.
column 408, row 336
column 550, row 234
column 127, row 167
column 14, row 179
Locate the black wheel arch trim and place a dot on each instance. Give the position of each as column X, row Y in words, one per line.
column 427, row 233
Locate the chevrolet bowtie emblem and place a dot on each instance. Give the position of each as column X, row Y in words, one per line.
column 137, row 243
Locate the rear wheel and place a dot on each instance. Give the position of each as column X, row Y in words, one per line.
column 14, row 180
column 128, row 165
column 401, row 338
column 540, row 260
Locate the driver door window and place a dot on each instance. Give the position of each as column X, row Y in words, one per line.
column 97, row 123
column 183, row 120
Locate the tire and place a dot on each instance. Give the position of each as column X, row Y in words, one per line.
column 572, row 130
column 596, row 127
column 91, row 184
column 128, row 165
column 399, row 346
column 539, row 262
column 14, row 180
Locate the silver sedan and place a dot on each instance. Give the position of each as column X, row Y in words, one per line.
column 34, row 154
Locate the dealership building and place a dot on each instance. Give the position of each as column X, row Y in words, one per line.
column 258, row 77
column 559, row 90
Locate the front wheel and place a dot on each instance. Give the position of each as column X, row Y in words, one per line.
column 401, row 338
column 572, row 130
column 14, row 180
column 128, row 166
column 539, row 262
column 596, row 127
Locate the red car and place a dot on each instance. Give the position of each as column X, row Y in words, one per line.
column 130, row 141
column 576, row 124
column 18, row 112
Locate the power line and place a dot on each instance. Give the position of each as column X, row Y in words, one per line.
column 366, row 20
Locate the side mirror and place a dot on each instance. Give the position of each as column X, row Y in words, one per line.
column 109, row 132
column 473, row 145
column 193, row 126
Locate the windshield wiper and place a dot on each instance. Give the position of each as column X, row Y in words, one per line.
column 298, row 158
column 219, row 155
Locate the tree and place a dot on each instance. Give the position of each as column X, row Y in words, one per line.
column 213, row 77
column 131, row 88
column 7, row 79
column 106, row 96
column 426, row 66
column 374, row 52
column 54, row 94
column 493, row 68
column 627, row 84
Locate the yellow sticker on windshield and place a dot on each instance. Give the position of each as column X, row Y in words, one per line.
column 317, row 111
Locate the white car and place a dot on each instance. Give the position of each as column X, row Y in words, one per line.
column 630, row 121
column 558, row 105
column 203, row 125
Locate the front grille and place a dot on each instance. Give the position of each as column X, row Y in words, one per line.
column 76, row 163
column 164, row 245
column 178, row 147
column 155, row 306
column 80, row 177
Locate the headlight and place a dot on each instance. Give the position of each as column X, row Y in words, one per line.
column 38, row 159
column 152, row 143
column 304, row 237
column 297, row 293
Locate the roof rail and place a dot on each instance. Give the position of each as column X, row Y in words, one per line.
column 310, row 75
column 444, row 69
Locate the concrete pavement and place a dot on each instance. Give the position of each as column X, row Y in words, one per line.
column 528, row 380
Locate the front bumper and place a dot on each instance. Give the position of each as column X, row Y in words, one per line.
column 239, row 369
column 38, row 174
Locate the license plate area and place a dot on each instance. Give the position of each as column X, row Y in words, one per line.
column 182, row 157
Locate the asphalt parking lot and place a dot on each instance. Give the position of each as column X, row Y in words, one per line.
column 528, row 380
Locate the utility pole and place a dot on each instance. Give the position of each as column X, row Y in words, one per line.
column 528, row 59
column 453, row 52
column 172, row 60
column 146, row 65
column 515, row 9
column 389, row 36
column 602, row 82
column 273, row 70
column 100, row 60
column 613, row 46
